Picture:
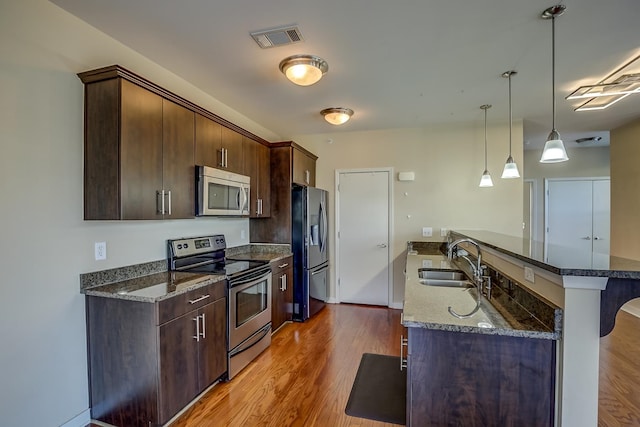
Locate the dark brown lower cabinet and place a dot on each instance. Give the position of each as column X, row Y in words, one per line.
column 465, row 379
column 281, row 292
column 144, row 368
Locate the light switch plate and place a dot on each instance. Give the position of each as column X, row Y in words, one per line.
column 427, row 231
column 528, row 275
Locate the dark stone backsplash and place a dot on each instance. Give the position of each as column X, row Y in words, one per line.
column 519, row 306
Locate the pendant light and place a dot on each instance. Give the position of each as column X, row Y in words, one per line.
column 554, row 151
column 486, row 180
column 510, row 167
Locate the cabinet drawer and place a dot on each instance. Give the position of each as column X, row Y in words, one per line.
column 171, row 308
column 281, row 265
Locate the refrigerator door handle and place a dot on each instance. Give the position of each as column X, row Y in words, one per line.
column 323, row 216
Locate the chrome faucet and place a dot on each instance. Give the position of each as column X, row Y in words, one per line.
column 477, row 274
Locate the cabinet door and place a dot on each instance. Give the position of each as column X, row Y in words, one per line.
column 264, row 179
column 140, row 152
column 178, row 363
column 250, row 168
column 304, row 169
column 212, row 351
column 178, row 160
column 288, row 294
column 208, row 142
column 232, row 144
column 277, row 301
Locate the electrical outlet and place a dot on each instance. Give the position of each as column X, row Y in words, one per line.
column 243, row 234
column 528, row 275
column 427, row 263
column 101, row 251
column 444, row 232
column 427, row 231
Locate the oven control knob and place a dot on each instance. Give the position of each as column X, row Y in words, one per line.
column 179, row 246
column 186, row 245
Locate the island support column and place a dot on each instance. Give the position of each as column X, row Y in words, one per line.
column 579, row 352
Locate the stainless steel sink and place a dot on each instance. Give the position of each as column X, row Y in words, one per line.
column 441, row 274
column 451, row 283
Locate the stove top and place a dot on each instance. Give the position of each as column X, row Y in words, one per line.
column 207, row 255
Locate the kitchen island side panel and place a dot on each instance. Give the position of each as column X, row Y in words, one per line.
column 480, row 380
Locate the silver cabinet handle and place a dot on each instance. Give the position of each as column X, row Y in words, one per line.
column 307, row 176
column 203, row 327
column 202, row 298
column 404, row 342
column 226, row 158
column 286, row 264
column 382, row 245
column 160, row 202
column 284, row 280
column 169, row 194
column 197, row 335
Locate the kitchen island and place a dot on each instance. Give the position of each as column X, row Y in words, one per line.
column 577, row 292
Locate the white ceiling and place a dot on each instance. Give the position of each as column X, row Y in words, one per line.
column 409, row 63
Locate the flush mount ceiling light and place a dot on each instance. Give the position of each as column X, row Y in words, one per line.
column 337, row 115
column 554, row 151
column 486, row 180
column 510, row 167
column 616, row 86
column 304, row 70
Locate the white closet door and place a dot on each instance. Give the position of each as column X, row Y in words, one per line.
column 569, row 224
column 601, row 222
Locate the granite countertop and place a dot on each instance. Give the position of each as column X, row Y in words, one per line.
column 260, row 252
column 151, row 282
column 426, row 306
column 154, row 287
column 532, row 252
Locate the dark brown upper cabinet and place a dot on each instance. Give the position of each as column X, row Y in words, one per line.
column 304, row 168
column 142, row 143
column 138, row 154
column 258, row 168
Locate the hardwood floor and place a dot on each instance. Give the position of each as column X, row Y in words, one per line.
column 619, row 388
column 305, row 377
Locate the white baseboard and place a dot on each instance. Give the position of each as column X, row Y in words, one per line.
column 332, row 301
column 398, row 305
column 80, row 420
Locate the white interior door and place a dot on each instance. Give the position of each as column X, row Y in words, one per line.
column 601, row 223
column 363, row 237
column 569, row 223
column 577, row 223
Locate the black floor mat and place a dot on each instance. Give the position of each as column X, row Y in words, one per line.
column 379, row 391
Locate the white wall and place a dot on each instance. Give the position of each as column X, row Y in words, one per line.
column 447, row 163
column 583, row 162
column 44, row 242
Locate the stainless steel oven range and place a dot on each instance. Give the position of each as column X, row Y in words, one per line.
column 249, row 294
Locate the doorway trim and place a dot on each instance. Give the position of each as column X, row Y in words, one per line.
column 389, row 170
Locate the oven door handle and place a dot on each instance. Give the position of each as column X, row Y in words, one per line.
column 249, row 278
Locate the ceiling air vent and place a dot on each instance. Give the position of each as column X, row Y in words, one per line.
column 277, row 37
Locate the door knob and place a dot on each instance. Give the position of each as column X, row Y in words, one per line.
column 382, row 245
column 586, row 238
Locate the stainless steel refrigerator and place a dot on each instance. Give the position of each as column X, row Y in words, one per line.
column 310, row 234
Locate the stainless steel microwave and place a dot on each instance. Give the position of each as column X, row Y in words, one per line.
column 221, row 193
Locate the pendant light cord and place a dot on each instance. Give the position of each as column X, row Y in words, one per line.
column 553, row 73
column 485, row 139
column 510, row 115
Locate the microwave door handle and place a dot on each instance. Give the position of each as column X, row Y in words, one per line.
column 238, row 198
column 245, row 196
